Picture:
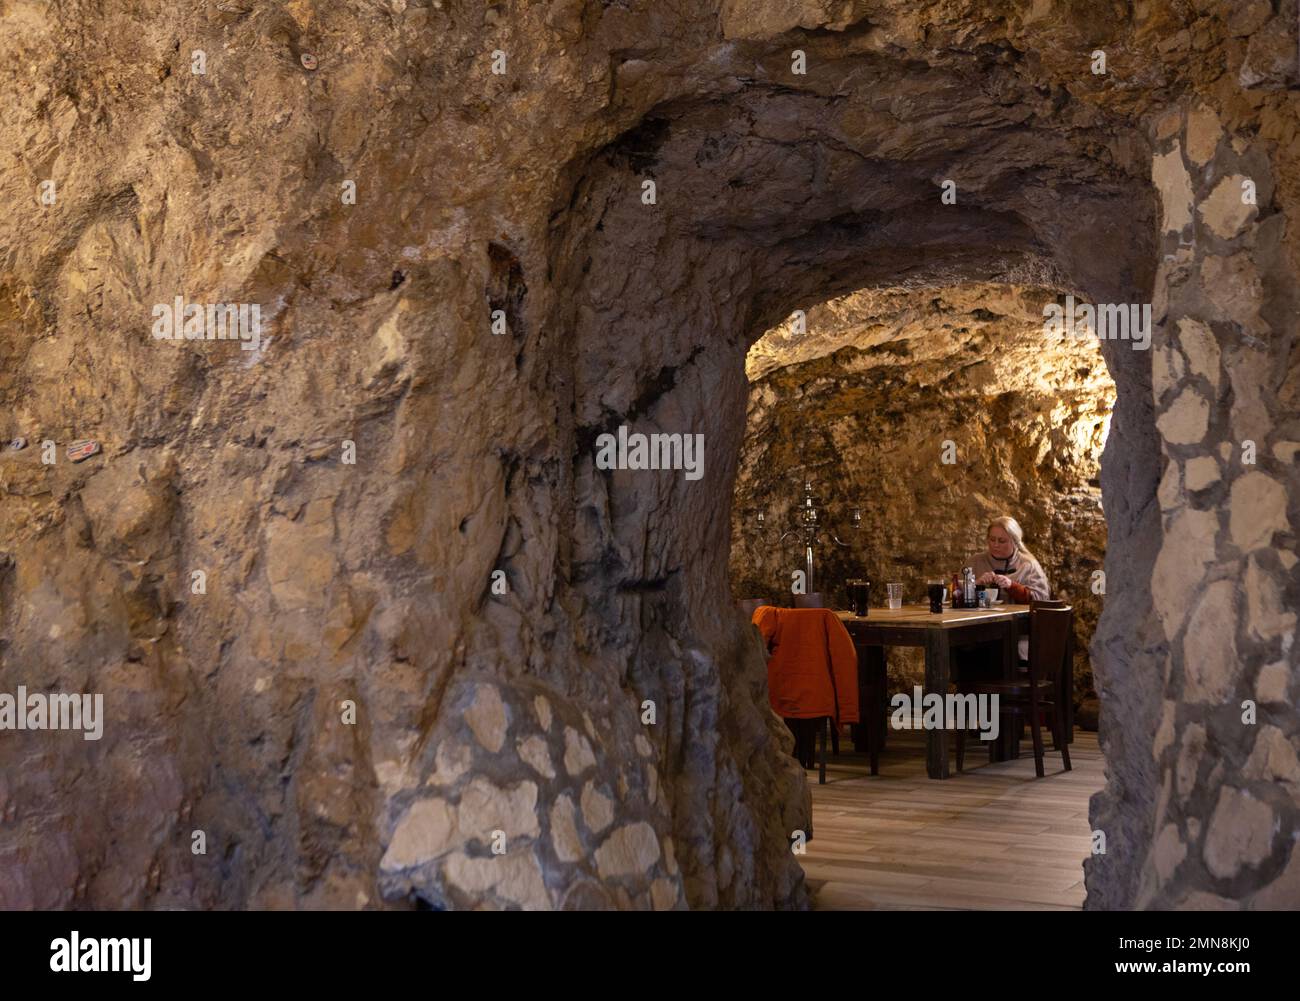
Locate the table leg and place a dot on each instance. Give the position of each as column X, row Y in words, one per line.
column 871, row 700
column 937, row 670
column 1067, row 684
column 1004, row 748
column 879, row 685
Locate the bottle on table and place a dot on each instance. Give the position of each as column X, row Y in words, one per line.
column 968, row 583
column 958, row 597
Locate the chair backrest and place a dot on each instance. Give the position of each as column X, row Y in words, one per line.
column 813, row 600
column 1048, row 604
column 748, row 606
column 1049, row 638
column 813, row 667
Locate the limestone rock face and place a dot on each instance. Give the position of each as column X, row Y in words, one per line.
column 1227, row 556
column 931, row 412
column 463, row 278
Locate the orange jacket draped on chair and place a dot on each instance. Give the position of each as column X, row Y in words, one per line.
column 813, row 670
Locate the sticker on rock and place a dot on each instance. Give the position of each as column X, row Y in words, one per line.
column 80, row 450
column 17, row 444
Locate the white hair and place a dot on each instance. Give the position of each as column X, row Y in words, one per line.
column 1012, row 527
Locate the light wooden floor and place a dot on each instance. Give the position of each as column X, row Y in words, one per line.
column 994, row 837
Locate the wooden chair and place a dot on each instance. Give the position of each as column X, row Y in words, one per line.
column 1067, row 676
column 804, row 731
column 1036, row 694
column 813, row 600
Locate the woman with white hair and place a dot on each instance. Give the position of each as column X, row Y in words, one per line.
column 1009, row 566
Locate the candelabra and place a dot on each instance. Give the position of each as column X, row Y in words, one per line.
column 809, row 529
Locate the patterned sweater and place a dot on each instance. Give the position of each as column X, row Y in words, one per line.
column 1027, row 578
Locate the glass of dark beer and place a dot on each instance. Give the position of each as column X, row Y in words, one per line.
column 861, row 590
column 935, row 590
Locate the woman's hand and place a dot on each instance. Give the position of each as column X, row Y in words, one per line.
column 995, row 580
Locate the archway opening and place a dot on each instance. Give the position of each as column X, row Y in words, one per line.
column 910, row 418
column 700, row 229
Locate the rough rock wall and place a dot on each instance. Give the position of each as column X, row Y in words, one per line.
column 864, row 403
column 522, row 191
column 1225, row 589
column 1203, row 814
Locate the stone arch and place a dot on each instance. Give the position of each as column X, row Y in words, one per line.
column 766, row 203
column 518, row 712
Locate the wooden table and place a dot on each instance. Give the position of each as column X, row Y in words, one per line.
column 939, row 635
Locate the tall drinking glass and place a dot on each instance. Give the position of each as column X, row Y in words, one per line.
column 861, row 597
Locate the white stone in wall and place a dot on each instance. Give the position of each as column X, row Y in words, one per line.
column 1175, row 186
column 629, row 851
column 1165, row 732
column 1201, row 472
column 597, row 809
column 1166, row 370
column 487, row 718
column 515, row 877
column 1265, row 616
column 450, row 762
column 1169, row 852
column 1186, row 420
column 1273, row 758
column 1189, row 759
column 578, row 756
column 1169, row 122
column 1257, row 507
column 564, row 830
column 426, row 830
column 1223, row 212
column 1170, row 492
column 664, row 894
column 1202, row 349
column 1210, row 662
column 670, row 856
column 1187, row 550
column 542, row 706
column 534, row 753
column 1240, row 833
column 486, row 807
column 1272, row 683
column 1231, row 285
column 1203, row 134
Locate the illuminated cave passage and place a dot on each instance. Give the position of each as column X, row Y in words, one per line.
column 861, row 399
column 538, row 650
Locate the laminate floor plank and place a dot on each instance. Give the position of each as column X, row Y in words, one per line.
column 993, row 837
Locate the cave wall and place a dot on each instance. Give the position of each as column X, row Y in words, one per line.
column 331, row 582
column 863, row 404
column 1225, row 584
